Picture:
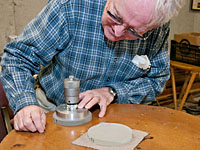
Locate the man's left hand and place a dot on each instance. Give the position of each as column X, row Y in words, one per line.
column 100, row 96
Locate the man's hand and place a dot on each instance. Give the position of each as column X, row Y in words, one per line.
column 30, row 118
column 100, row 96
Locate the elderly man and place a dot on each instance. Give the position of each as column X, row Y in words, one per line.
column 117, row 48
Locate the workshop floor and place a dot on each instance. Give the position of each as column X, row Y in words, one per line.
column 193, row 101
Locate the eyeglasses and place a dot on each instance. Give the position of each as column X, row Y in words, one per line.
column 130, row 30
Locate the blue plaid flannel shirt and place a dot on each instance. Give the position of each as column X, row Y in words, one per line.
column 67, row 38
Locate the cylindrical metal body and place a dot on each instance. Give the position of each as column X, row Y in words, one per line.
column 72, row 90
column 69, row 114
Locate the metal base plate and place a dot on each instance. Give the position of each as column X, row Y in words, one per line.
column 72, row 122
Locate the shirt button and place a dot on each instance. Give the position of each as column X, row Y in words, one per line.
column 108, row 79
column 115, row 59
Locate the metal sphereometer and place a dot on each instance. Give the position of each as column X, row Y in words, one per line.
column 69, row 114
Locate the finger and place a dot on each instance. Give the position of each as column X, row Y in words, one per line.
column 43, row 120
column 20, row 122
column 103, row 107
column 28, row 124
column 36, row 117
column 85, row 100
column 94, row 101
column 16, row 124
column 82, row 95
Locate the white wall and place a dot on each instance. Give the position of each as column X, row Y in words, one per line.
column 187, row 21
column 14, row 15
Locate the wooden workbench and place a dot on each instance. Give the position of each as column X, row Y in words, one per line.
column 169, row 130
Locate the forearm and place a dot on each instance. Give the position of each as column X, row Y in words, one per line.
column 35, row 46
column 147, row 87
column 140, row 90
column 20, row 93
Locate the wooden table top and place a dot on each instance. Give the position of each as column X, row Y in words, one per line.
column 169, row 130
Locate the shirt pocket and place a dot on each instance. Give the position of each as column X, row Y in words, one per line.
column 128, row 70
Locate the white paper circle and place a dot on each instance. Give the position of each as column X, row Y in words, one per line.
column 110, row 134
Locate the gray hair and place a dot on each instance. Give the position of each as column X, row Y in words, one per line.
column 165, row 10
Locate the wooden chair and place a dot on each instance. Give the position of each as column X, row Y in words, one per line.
column 194, row 70
column 5, row 115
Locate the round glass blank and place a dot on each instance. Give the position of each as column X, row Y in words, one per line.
column 110, row 134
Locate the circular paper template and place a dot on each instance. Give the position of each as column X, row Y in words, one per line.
column 110, row 134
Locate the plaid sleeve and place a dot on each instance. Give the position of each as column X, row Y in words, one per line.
column 146, row 88
column 38, row 43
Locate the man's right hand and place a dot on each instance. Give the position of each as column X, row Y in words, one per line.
column 30, row 118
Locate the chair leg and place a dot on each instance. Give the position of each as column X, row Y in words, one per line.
column 6, row 118
column 188, row 89
column 184, row 87
column 173, row 87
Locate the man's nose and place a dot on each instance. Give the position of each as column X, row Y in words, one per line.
column 119, row 30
